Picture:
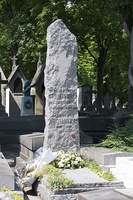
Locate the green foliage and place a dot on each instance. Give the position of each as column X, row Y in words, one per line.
column 55, row 179
column 107, row 175
column 48, row 170
column 93, row 166
column 96, row 24
column 120, row 138
column 59, row 182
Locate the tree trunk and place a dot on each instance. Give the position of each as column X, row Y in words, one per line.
column 127, row 13
column 130, row 98
column 99, row 88
column 130, row 75
column 100, row 75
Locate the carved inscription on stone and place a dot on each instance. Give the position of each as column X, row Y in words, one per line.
column 61, row 114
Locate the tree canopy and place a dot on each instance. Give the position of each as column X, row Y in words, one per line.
column 104, row 50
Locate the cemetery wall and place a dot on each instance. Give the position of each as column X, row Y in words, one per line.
column 12, row 127
column 96, row 127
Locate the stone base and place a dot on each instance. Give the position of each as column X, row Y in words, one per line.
column 81, row 184
column 26, row 106
column 29, row 143
column 103, row 156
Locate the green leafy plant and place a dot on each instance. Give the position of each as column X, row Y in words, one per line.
column 59, row 182
column 55, row 178
column 48, row 170
column 120, row 138
column 93, row 166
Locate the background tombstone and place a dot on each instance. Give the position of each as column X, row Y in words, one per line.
column 27, row 101
column 3, row 85
column 107, row 101
column 14, row 90
column 37, row 89
column 61, row 113
column 85, row 97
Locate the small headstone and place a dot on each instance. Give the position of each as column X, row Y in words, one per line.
column 61, row 113
column 119, row 105
column 14, row 90
column 26, row 102
column 38, row 89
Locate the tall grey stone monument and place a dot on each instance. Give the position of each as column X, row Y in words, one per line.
column 61, row 113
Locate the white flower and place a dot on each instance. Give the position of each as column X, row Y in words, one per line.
column 79, row 159
column 73, row 156
column 68, row 165
column 61, row 164
column 67, row 159
column 72, row 162
column 75, row 162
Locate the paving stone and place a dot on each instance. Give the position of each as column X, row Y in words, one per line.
column 123, row 170
column 103, row 194
column 125, row 164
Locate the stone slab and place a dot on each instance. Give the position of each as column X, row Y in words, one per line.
column 103, row 194
column 6, row 174
column 123, row 170
column 83, row 177
column 121, row 176
column 32, row 141
column 26, row 153
column 125, row 164
column 84, row 180
column 17, row 191
column 127, row 192
column 26, row 106
column 29, row 143
column 103, row 156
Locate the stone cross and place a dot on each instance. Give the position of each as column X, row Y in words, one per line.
column 39, row 63
column 14, row 59
column 61, row 113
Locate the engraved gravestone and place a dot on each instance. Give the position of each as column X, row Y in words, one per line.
column 61, row 113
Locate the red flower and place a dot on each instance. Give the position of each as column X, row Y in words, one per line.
column 73, row 135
